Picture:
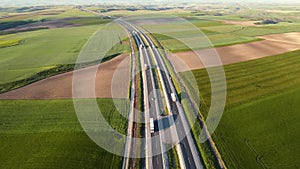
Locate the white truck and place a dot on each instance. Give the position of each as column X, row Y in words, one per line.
column 151, row 125
column 141, row 46
column 173, row 97
column 145, row 67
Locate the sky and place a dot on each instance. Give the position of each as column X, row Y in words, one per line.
column 5, row 3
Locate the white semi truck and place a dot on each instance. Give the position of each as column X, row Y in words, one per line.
column 173, row 97
column 151, row 125
column 145, row 67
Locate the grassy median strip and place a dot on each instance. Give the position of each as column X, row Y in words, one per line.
column 209, row 159
column 173, row 159
column 140, row 126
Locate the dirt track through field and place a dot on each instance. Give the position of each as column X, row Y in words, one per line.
column 272, row 45
column 111, row 73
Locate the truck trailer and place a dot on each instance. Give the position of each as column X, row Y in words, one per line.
column 173, row 97
column 151, row 125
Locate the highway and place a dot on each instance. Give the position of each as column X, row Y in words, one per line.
column 151, row 105
column 131, row 144
column 186, row 148
column 178, row 109
column 190, row 154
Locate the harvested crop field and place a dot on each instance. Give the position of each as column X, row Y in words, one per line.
column 47, row 24
column 292, row 37
column 242, row 23
column 60, row 86
column 273, row 45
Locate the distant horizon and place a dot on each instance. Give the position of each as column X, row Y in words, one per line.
column 21, row 3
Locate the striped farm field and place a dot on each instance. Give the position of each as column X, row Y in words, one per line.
column 260, row 124
column 47, row 134
column 218, row 33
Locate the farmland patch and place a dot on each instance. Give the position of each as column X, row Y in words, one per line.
column 238, row 53
column 60, row 86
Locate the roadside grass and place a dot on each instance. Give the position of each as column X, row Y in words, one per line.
column 260, row 118
column 140, row 95
column 204, row 149
column 173, row 159
column 47, row 134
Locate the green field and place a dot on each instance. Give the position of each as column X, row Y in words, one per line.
column 259, row 128
column 89, row 20
column 57, row 12
column 262, row 133
column 214, row 40
column 251, row 31
column 260, row 125
column 44, row 49
column 47, row 134
column 218, row 33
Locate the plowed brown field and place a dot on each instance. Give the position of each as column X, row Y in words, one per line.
column 242, row 23
column 60, row 86
column 272, row 45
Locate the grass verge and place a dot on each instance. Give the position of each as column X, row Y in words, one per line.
column 173, row 159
